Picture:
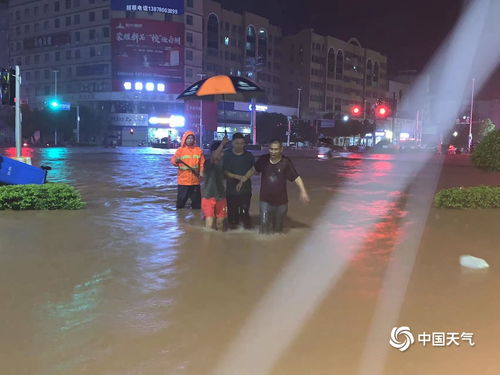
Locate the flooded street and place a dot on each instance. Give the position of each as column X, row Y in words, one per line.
column 130, row 286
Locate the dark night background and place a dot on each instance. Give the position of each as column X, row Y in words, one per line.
column 407, row 32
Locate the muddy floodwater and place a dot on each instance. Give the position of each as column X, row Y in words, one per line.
column 130, row 286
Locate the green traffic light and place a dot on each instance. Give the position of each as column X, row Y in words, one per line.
column 54, row 104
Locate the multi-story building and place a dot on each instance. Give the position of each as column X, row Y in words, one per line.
column 127, row 61
column 4, row 34
column 243, row 44
column 331, row 74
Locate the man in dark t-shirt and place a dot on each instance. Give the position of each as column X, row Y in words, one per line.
column 238, row 169
column 276, row 170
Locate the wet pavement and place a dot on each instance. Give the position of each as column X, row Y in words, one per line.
column 132, row 286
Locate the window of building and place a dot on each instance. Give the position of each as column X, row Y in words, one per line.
column 46, row 74
column 189, row 55
column 250, row 46
column 77, row 53
column 91, row 16
column 68, row 55
column 37, row 59
column 76, row 3
column 36, row 27
column 189, row 72
column 45, row 8
column 18, row 15
column 35, row 11
column 57, row 56
column 376, row 74
column 28, row 76
column 92, row 51
column 37, row 75
column 57, row 23
column 262, row 46
column 27, row 28
column 91, row 2
column 105, row 32
column 18, row 46
column 77, row 36
column 18, row 30
column 56, row 6
column 26, row 12
column 27, row 60
column 68, row 4
column 68, row 21
column 105, row 14
column 46, row 57
column 189, row 38
column 339, row 71
column 190, row 3
column 369, row 73
column 213, row 32
column 45, row 25
column 69, row 71
column 92, row 34
column 189, row 19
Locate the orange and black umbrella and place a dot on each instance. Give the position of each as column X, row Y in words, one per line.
column 223, row 87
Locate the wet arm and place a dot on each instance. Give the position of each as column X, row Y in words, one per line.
column 249, row 174
column 303, row 192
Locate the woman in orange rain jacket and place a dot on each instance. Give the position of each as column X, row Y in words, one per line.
column 190, row 162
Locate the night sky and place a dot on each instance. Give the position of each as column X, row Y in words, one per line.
column 407, row 31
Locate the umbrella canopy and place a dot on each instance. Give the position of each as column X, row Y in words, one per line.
column 223, row 87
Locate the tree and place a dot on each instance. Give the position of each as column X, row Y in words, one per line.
column 271, row 126
column 487, row 154
column 485, row 128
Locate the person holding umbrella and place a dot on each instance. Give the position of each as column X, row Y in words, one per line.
column 190, row 162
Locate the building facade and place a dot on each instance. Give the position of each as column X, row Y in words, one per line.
column 330, row 74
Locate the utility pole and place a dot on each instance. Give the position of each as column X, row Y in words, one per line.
column 201, row 75
column 78, row 124
column 18, row 112
column 471, row 110
column 55, row 98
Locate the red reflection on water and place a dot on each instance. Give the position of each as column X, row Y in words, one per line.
column 26, row 152
column 382, row 168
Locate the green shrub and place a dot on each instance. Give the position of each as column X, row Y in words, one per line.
column 474, row 197
column 49, row 196
column 487, row 153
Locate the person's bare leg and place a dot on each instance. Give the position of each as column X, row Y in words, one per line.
column 209, row 222
column 220, row 224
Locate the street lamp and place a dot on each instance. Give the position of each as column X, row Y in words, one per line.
column 201, row 75
column 470, row 120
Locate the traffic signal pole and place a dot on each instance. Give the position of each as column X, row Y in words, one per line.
column 18, row 112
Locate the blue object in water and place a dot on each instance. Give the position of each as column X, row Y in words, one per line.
column 13, row 172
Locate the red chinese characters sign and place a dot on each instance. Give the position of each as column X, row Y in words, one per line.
column 148, row 51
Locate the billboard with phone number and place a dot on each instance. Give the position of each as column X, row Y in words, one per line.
column 147, row 52
column 174, row 7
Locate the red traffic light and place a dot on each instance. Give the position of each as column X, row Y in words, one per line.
column 356, row 110
column 382, row 110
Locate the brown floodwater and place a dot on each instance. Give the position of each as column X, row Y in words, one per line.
column 130, row 286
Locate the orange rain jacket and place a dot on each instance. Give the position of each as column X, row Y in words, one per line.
column 192, row 156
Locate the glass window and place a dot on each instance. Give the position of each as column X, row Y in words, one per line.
column 18, row 15
column 57, row 56
column 68, row 4
column 37, row 74
column 91, row 16
column 37, row 59
column 189, row 19
column 190, row 3
column 26, row 12
column 189, row 37
column 56, row 6
column 105, row 32
column 76, row 3
column 27, row 28
column 77, row 36
column 76, row 19
column 57, row 23
column 46, row 74
column 77, row 54
column 46, row 57
column 45, row 25
column 68, row 55
column 45, row 8
column 35, row 11
column 92, row 34
column 27, row 60
column 189, row 55
column 105, row 14
column 68, row 20
column 92, row 51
